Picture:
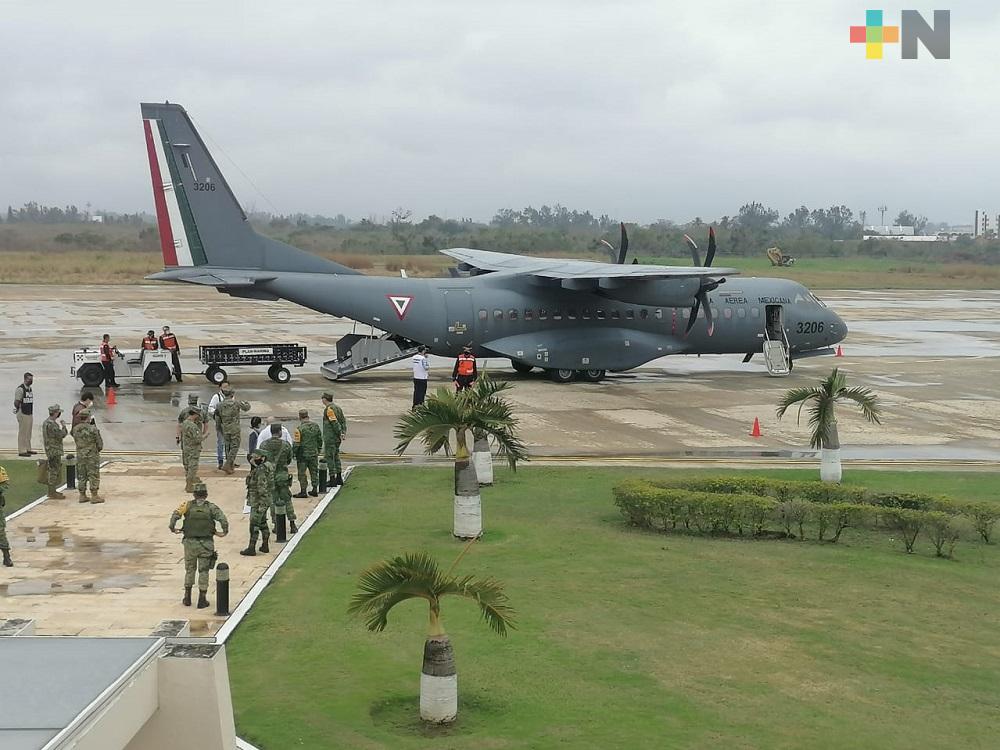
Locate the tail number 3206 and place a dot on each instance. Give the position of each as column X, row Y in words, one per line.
column 809, row 326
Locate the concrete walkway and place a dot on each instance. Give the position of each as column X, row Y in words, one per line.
column 115, row 569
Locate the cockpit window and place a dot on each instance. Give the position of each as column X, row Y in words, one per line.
column 817, row 300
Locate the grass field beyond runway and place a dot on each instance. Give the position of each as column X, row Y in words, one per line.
column 626, row 639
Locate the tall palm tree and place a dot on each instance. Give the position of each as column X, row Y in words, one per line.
column 823, row 419
column 417, row 576
column 481, row 409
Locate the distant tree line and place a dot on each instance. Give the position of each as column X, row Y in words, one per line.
column 36, row 213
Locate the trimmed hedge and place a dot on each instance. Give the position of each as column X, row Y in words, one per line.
column 757, row 506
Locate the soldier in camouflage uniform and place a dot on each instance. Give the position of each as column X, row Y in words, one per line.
column 89, row 445
column 53, row 433
column 228, row 413
column 192, row 435
column 334, row 432
column 260, row 489
column 4, row 544
column 279, row 455
column 200, row 517
column 306, row 449
column 192, row 406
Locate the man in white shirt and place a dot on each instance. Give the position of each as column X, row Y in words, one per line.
column 285, row 434
column 421, row 371
column 220, row 443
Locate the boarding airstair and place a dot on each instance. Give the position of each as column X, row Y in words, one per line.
column 357, row 352
column 776, row 354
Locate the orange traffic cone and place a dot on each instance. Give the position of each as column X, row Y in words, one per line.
column 111, row 399
column 755, row 432
column 840, row 351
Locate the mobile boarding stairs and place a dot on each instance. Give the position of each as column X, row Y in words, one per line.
column 357, row 352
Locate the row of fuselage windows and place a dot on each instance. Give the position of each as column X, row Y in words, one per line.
column 629, row 313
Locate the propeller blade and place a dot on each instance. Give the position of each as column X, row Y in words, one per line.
column 694, row 314
column 708, row 311
column 623, row 247
column 610, row 247
column 711, row 247
column 694, row 250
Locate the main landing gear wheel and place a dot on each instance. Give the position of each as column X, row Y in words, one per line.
column 279, row 374
column 562, row 376
column 593, row 376
column 215, row 375
column 521, row 368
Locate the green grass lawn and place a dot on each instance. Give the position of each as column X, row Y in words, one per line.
column 627, row 639
column 22, row 488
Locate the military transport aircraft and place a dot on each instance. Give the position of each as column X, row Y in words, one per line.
column 572, row 318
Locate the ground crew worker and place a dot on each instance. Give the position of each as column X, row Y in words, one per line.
column 150, row 344
column 260, row 489
column 465, row 372
column 86, row 402
column 308, row 442
column 169, row 342
column 89, row 445
column 421, row 372
column 24, row 409
column 108, row 354
column 229, row 419
column 279, row 455
column 4, row 544
column 192, row 436
column 200, row 517
column 53, row 433
column 334, row 431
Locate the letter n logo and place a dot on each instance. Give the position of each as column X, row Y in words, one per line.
column 936, row 40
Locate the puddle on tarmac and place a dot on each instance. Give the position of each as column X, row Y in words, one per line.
column 38, row 587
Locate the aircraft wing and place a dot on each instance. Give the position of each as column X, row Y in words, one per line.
column 566, row 268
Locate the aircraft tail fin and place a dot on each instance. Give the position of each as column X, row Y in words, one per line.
column 200, row 221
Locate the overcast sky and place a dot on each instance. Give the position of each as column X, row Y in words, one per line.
column 643, row 110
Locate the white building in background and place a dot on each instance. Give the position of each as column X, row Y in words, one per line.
column 896, row 232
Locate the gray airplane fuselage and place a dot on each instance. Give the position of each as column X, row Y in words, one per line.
column 555, row 328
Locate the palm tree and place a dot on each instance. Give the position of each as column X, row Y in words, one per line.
column 417, row 576
column 481, row 409
column 823, row 420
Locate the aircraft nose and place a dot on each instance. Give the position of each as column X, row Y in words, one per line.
column 837, row 327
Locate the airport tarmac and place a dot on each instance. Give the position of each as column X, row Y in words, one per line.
column 930, row 355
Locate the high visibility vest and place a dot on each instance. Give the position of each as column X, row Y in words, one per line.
column 466, row 364
column 149, row 344
column 106, row 355
column 169, row 341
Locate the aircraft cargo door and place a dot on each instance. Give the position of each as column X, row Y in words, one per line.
column 458, row 308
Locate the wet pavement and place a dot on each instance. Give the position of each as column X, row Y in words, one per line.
column 115, row 568
column 930, row 355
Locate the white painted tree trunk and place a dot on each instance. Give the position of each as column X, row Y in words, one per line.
column 829, row 468
column 483, row 459
column 438, row 681
column 468, row 523
column 468, row 516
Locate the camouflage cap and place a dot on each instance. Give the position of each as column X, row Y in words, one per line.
column 303, row 413
column 84, row 413
column 192, row 398
column 55, row 409
column 199, row 488
column 328, row 396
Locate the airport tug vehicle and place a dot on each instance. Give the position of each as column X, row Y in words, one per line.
column 150, row 366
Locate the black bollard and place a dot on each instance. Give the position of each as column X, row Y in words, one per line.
column 222, row 589
column 70, row 471
column 280, row 532
column 322, row 475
